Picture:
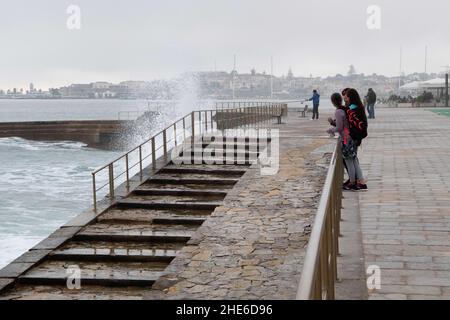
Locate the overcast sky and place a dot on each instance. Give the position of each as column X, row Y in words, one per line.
column 149, row 39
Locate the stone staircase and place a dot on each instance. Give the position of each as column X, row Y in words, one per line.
column 126, row 248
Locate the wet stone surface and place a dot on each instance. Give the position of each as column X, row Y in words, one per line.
column 253, row 246
column 145, row 215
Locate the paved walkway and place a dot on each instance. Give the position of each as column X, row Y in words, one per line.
column 253, row 246
column 405, row 215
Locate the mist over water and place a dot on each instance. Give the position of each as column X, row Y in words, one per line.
column 166, row 112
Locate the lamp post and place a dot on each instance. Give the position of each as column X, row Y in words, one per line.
column 446, row 90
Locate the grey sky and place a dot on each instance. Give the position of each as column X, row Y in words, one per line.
column 145, row 39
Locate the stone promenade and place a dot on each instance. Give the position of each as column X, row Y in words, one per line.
column 402, row 224
column 252, row 247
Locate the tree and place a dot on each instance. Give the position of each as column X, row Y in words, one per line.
column 253, row 71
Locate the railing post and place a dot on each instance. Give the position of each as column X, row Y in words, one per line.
column 211, row 120
column 140, row 161
column 175, row 133
column 94, row 192
column 153, row 153
column 329, row 252
column 111, row 180
column 193, row 125
column 127, row 172
column 200, row 125
column 165, row 143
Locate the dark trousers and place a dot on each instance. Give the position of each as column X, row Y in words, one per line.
column 316, row 112
column 371, row 110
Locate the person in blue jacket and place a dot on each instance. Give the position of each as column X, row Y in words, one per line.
column 316, row 100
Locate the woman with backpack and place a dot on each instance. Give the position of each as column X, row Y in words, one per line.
column 347, row 117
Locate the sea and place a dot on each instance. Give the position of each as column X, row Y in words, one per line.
column 45, row 184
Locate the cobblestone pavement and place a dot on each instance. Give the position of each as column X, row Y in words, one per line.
column 405, row 215
column 253, row 246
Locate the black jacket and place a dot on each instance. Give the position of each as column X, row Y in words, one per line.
column 371, row 97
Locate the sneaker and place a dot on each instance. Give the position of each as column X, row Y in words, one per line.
column 354, row 187
column 346, row 183
column 362, row 186
column 349, row 186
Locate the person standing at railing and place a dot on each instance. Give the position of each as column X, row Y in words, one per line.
column 358, row 125
column 349, row 149
column 316, row 101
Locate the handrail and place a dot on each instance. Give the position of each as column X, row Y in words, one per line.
column 319, row 272
column 201, row 120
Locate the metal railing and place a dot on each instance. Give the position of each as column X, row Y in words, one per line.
column 198, row 122
column 232, row 104
column 319, row 274
column 129, row 115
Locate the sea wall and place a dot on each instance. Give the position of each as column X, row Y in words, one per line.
column 103, row 134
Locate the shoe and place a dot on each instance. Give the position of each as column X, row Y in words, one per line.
column 354, row 187
column 346, row 183
column 362, row 186
column 349, row 186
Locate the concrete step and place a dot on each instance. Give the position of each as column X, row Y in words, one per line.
column 104, row 231
column 136, row 215
column 179, row 220
column 107, row 227
column 126, row 203
column 87, row 292
column 192, row 197
column 219, row 153
column 193, row 180
column 203, row 171
column 180, row 192
column 172, row 184
column 186, row 159
column 231, row 145
column 208, row 167
column 162, row 220
column 88, row 253
column 234, row 139
column 120, row 247
column 125, row 237
column 96, row 273
column 192, row 175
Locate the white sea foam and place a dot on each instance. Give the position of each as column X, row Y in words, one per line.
column 16, row 142
column 42, row 186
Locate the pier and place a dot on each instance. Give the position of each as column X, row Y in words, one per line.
column 225, row 221
column 209, row 230
column 102, row 134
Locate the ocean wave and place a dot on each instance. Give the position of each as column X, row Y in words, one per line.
column 30, row 145
column 13, row 246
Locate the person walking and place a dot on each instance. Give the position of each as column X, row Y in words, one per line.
column 371, row 99
column 316, row 100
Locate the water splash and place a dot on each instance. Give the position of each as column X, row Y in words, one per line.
column 165, row 112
